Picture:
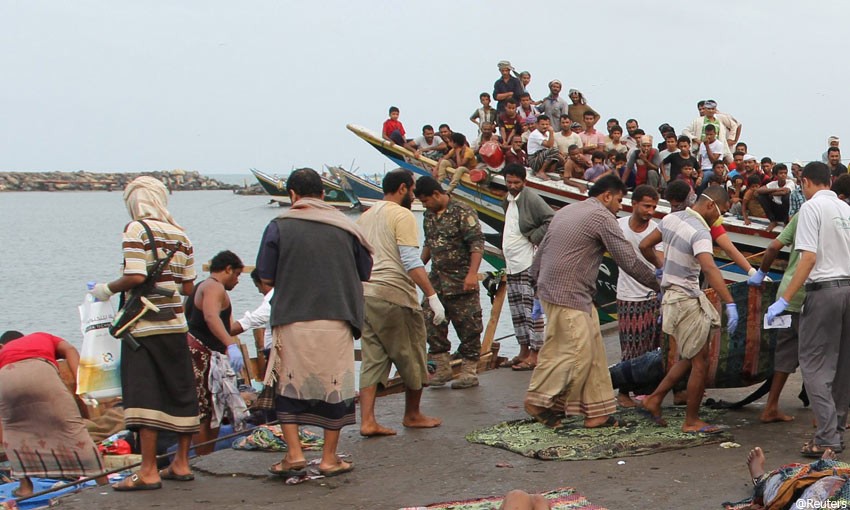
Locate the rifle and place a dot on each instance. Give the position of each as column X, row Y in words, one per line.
column 137, row 304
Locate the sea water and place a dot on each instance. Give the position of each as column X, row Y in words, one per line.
column 51, row 244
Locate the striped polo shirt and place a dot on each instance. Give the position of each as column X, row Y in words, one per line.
column 685, row 235
column 138, row 258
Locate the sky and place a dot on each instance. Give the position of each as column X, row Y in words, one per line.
column 220, row 86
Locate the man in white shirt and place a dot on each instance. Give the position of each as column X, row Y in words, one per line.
column 823, row 240
column 543, row 156
column 638, row 308
column 428, row 145
column 775, row 197
column 527, row 218
column 258, row 319
column 566, row 137
column 710, row 150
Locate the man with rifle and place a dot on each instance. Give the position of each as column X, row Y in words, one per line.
column 157, row 380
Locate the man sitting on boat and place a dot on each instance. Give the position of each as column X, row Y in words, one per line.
column 428, row 145
column 460, row 157
column 544, row 157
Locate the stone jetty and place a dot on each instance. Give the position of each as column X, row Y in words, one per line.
column 176, row 180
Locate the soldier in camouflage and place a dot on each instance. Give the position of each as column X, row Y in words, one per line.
column 454, row 244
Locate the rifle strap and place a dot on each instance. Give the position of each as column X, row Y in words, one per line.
column 151, row 240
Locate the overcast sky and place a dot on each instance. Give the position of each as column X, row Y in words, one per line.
column 222, row 86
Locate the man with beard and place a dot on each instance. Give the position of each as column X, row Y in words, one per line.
column 631, row 129
column 833, row 156
column 394, row 326
column 428, row 145
column 553, row 105
column 506, row 87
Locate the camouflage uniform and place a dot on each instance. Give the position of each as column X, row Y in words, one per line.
column 452, row 238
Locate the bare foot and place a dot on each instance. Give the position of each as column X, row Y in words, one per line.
column 624, row 400
column 755, row 462
column 828, row 454
column 774, row 417
column 652, row 407
column 376, row 430
column 420, row 421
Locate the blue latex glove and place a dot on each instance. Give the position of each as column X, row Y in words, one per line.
column 775, row 309
column 757, row 278
column 234, row 354
column 659, row 273
column 732, row 318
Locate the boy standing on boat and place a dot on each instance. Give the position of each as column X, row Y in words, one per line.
column 572, row 364
column 527, row 218
column 394, row 325
column 454, row 245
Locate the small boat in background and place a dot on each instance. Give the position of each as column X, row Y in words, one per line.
column 334, row 193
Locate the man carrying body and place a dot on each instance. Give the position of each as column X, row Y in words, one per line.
column 394, row 325
column 687, row 313
column 428, row 145
column 158, row 389
column 454, row 245
column 543, row 156
column 527, row 218
column 208, row 312
column 638, row 308
column 572, row 364
column 823, row 240
column 317, row 311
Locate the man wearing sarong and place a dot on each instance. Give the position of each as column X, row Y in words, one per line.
column 43, row 433
column 637, row 305
column 527, row 218
column 823, row 240
column 454, row 245
column 688, row 315
column 572, row 365
column 317, row 311
column 209, row 314
column 157, row 382
column 394, row 325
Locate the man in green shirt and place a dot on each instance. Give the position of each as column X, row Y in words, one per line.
column 785, row 357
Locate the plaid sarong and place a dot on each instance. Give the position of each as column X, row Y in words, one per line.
column 521, row 302
column 536, row 160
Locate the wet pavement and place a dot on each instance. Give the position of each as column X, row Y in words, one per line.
column 420, row 467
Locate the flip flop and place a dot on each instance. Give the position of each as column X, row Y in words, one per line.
column 658, row 420
column 168, row 474
column 523, row 366
column 610, row 422
column 708, row 429
column 509, row 363
column 287, row 469
column 341, row 468
column 134, row 483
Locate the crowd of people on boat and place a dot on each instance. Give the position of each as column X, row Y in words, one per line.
column 558, row 139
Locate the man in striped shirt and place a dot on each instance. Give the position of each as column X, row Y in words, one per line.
column 572, row 364
column 687, row 313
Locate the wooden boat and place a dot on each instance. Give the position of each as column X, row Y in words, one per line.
column 487, row 201
column 334, row 193
column 363, row 188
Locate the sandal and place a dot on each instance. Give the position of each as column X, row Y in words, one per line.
column 707, row 429
column 548, row 418
column 657, row 419
column 168, row 474
column 610, row 422
column 286, row 469
column 340, row 468
column 134, row 483
column 509, row 363
column 816, row 451
column 523, row 366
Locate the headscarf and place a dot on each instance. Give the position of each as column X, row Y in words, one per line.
column 581, row 99
column 315, row 209
column 146, row 198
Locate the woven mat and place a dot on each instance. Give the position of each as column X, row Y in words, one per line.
column 637, row 435
column 560, row 499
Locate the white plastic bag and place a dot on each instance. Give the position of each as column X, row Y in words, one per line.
column 99, row 375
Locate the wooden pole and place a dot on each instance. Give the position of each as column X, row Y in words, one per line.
column 495, row 313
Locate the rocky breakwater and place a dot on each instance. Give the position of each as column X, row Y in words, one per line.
column 175, row 180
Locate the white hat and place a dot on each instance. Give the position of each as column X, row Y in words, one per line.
column 749, row 157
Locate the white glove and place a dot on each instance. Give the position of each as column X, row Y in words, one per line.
column 237, row 362
column 101, row 292
column 438, row 309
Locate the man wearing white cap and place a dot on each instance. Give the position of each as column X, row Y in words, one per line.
column 554, row 106
column 507, row 86
column 832, row 141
